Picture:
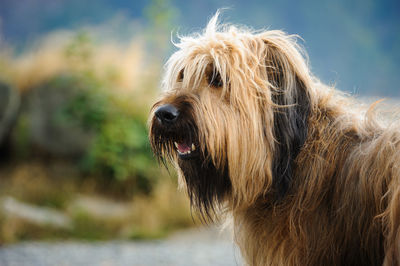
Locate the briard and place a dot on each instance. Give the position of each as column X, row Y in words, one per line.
column 305, row 175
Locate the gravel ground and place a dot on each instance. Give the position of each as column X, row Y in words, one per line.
column 193, row 247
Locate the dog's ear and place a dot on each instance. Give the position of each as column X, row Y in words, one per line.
column 287, row 75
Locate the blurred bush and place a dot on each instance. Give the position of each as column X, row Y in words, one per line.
column 79, row 147
column 83, row 112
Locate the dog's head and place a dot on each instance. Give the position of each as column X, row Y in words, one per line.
column 234, row 114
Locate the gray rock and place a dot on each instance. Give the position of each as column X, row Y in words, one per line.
column 34, row 214
column 100, row 207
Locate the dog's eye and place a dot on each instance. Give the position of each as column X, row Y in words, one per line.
column 180, row 76
column 215, row 80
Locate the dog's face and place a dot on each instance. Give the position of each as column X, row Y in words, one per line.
column 233, row 115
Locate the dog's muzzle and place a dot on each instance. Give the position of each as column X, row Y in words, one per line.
column 168, row 117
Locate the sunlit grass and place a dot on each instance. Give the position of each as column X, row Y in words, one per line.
column 58, row 187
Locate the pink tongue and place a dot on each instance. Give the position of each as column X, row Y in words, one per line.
column 183, row 147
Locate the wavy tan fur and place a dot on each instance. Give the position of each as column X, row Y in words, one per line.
column 340, row 204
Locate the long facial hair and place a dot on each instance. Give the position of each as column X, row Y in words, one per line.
column 249, row 126
column 206, row 185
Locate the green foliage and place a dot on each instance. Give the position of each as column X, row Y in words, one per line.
column 89, row 105
column 119, row 148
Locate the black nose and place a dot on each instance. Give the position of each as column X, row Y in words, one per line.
column 167, row 114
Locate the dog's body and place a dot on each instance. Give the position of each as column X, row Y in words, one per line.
column 308, row 179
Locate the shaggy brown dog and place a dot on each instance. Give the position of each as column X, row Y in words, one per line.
column 307, row 177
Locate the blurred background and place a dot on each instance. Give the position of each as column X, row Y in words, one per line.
column 77, row 79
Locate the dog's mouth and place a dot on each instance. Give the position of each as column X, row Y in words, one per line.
column 185, row 150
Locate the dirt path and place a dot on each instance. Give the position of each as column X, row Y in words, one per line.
column 193, row 247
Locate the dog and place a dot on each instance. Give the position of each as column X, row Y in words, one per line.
column 307, row 177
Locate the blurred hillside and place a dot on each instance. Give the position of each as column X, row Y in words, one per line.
column 354, row 44
column 75, row 161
